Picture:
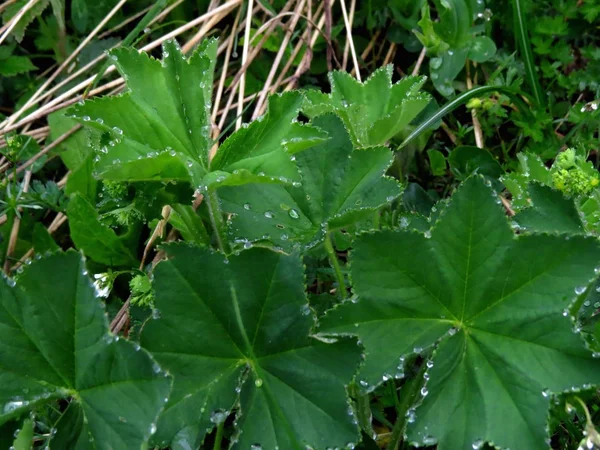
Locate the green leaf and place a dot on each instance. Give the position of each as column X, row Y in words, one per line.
column 19, row 30
column 455, row 20
column 186, row 220
column 254, row 348
column 428, row 37
column 95, row 239
column 531, row 169
column 549, row 212
column 42, row 240
column 338, row 187
column 15, row 65
column 160, row 129
column 24, row 437
column 56, row 345
column 85, row 15
column 467, row 160
column 437, row 161
column 446, row 67
column 262, row 149
column 374, row 111
column 493, row 305
column 76, row 153
column 482, row 49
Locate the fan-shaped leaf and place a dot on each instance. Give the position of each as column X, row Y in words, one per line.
column 494, row 304
column 56, row 344
column 238, row 330
column 374, row 111
column 338, row 187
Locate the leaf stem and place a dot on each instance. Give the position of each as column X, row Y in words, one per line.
column 219, row 435
column 408, row 396
column 216, row 219
column 336, row 266
column 364, row 415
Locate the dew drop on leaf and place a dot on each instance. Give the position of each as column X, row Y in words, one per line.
column 477, row 444
column 268, row 214
column 579, row 290
column 258, row 382
column 546, row 393
column 429, row 440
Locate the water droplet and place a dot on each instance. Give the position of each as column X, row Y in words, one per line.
column 579, row 290
column 293, row 214
column 424, row 391
column 258, row 382
column 114, row 57
column 435, row 63
column 546, row 393
column 86, row 118
column 305, row 310
column 247, row 206
column 429, row 364
column 268, row 214
column 218, row 416
column 477, row 444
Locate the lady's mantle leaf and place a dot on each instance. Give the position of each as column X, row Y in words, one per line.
column 264, row 147
column 55, row 344
column 98, row 241
column 374, row 111
column 495, row 305
column 160, row 129
column 239, row 328
column 338, row 186
column 550, row 211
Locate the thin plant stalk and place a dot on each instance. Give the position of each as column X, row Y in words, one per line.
column 219, row 435
column 216, row 220
column 339, row 275
column 409, row 394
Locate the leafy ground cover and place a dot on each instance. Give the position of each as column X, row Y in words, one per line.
column 299, row 225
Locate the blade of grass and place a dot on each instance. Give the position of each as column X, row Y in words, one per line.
column 524, row 45
column 462, row 99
